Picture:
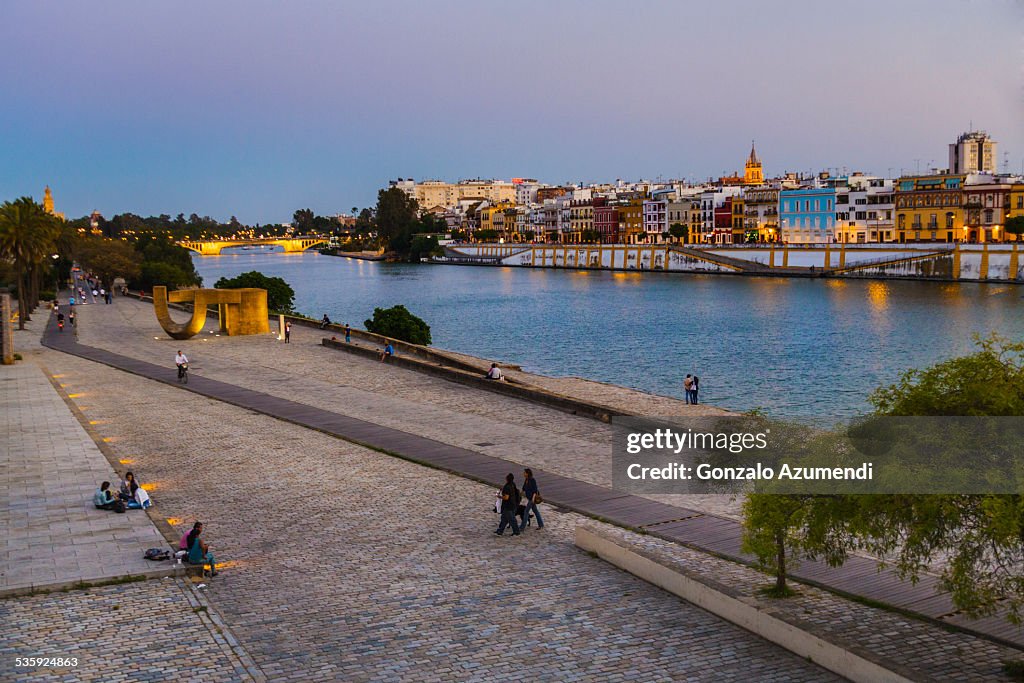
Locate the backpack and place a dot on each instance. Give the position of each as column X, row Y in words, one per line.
column 157, row 554
column 119, row 506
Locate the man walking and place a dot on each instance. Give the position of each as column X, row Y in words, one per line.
column 509, row 503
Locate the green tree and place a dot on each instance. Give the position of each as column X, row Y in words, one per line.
column 159, row 273
column 280, row 295
column 590, row 236
column 28, row 235
column 396, row 215
column 1015, row 226
column 302, row 221
column 397, row 322
column 108, row 259
column 678, row 231
column 485, row 235
column 980, row 537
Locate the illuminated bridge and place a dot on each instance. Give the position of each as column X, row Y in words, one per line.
column 290, row 244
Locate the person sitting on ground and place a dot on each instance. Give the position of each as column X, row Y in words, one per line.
column 128, row 487
column 325, row 322
column 103, row 499
column 495, row 372
column 198, row 552
column 388, row 351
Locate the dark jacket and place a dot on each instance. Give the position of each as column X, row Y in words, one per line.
column 529, row 489
column 512, row 492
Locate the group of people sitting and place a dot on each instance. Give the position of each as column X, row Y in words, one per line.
column 130, row 496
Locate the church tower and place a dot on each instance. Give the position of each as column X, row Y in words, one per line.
column 48, row 203
column 752, row 173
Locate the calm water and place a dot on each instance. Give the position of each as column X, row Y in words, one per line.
column 797, row 348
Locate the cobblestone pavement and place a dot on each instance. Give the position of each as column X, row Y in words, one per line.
column 341, row 563
column 932, row 651
column 149, row 631
column 306, row 372
column 49, row 469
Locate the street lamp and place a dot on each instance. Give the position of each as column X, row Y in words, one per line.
column 56, row 277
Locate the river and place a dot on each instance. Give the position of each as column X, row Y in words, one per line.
column 799, row 348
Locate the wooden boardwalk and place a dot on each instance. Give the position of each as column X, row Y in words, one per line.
column 858, row 578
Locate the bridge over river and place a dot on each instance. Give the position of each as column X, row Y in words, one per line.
column 290, row 244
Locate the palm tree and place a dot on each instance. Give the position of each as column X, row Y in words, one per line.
column 27, row 237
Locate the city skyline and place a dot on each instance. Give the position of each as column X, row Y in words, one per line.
column 154, row 110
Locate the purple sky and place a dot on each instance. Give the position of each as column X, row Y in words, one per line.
column 256, row 108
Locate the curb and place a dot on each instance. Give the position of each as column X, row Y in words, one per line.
column 844, row 659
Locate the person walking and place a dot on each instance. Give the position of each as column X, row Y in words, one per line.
column 531, row 496
column 688, row 388
column 288, row 332
column 696, row 388
column 509, row 503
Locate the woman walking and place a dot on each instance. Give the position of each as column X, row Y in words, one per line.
column 531, row 496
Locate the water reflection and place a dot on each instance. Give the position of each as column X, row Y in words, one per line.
column 795, row 347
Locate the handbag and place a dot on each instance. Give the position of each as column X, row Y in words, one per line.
column 537, row 499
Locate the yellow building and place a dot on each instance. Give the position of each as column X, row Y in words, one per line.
column 493, row 217
column 1015, row 206
column 631, row 221
column 738, row 232
column 752, row 172
column 48, row 203
column 930, row 209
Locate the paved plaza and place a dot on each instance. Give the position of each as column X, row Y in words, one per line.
column 156, row 630
column 52, row 533
column 342, row 563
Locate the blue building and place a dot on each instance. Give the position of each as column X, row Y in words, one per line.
column 808, row 215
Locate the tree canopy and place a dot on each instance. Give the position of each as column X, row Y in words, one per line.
column 280, row 295
column 397, row 322
column 977, row 540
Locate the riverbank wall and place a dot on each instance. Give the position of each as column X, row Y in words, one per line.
column 1002, row 263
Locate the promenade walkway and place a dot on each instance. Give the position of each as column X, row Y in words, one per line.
column 859, row 577
column 50, row 469
column 54, row 543
column 346, row 564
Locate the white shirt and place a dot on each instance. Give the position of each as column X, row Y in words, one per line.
column 180, row 358
column 494, row 373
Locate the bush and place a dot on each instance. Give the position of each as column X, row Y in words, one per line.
column 280, row 295
column 399, row 323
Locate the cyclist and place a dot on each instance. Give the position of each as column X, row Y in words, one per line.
column 181, row 360
column 60, row 322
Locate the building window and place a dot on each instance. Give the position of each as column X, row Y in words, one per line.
column 949, row 219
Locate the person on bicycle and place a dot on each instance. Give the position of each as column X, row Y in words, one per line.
column 181, row 360
column 60, row 322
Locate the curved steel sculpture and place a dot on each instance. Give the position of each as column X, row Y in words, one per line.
column 241, row 311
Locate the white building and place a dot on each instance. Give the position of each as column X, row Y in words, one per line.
column 973, row 152
column 865, row 210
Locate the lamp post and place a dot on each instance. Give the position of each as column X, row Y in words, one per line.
column 56, row 277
